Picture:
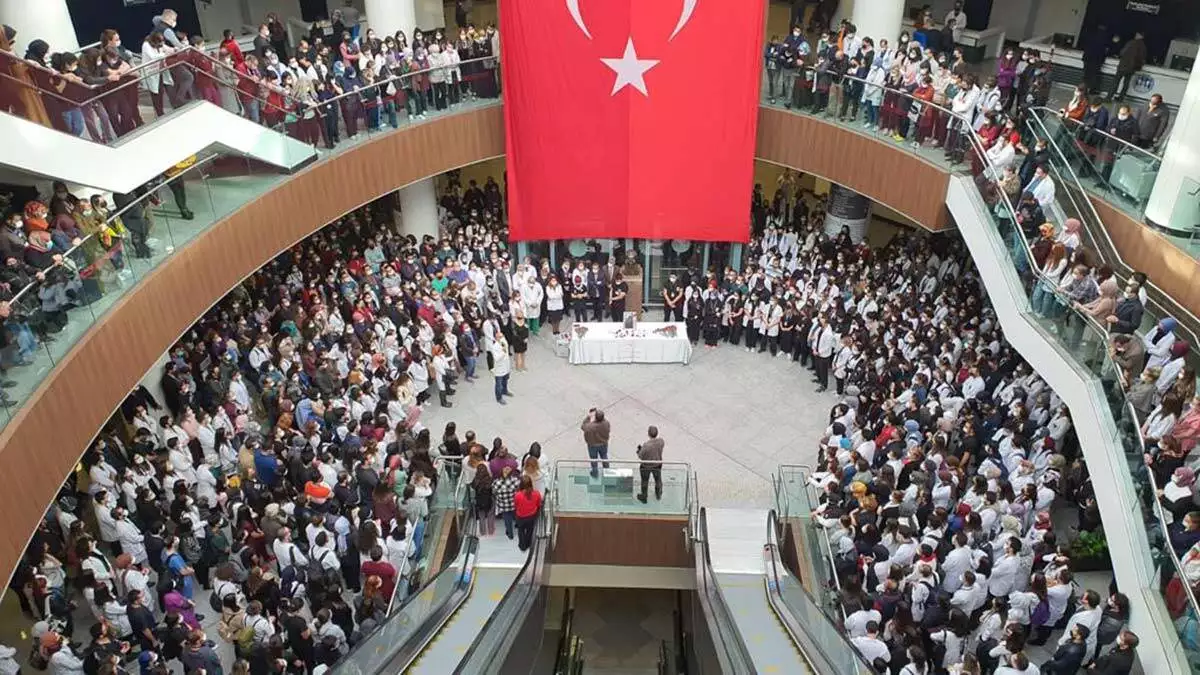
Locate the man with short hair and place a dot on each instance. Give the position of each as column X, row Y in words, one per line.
column 650, row 452
column 1152, row 123
column 596, row 431
column 1120, row 660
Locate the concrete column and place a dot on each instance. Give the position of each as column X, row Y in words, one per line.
column 386, row 17
column 419, row 209
column 878, row 19
column 48, row 20
column 1175, row 201
column 847, row 209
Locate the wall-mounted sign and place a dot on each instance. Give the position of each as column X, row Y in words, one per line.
column 1144, row 6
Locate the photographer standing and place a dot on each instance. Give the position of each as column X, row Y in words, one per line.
column 596, row 430
column 650, row 453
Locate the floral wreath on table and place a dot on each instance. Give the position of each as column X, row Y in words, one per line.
column 667, row 331
column 580, row 331
column 629, row 333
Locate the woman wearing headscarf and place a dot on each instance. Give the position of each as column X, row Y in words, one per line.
column 1171, row 369
column 1159, row 341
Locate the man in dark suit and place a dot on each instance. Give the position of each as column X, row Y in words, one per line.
column 597, row 284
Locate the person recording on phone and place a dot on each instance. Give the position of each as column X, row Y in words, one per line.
column 650, row 452
column 595, row 435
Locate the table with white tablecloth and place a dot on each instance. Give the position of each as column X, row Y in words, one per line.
column 613, row 343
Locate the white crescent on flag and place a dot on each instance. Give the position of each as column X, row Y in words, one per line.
column 689, row 7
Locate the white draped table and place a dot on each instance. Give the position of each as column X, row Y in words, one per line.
column 605, row 343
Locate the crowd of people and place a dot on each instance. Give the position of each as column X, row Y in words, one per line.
column 285, row 468
column 892, row 81
column 336, row 80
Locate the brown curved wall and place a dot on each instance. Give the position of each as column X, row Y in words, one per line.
column 879, row 170
column 44, row 440
column 1170, row 268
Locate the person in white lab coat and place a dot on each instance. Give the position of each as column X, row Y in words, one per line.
column 1089, row 615
column 1041, row 186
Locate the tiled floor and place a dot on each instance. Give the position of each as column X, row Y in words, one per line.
column 734, row 417
column 623, row 629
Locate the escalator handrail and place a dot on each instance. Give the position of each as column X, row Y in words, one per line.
column 813, row 651
column 529, row 579
column 712, row 603
column 1089, row 210
column 112, row 218
column 407, row 652
column 1107, row 136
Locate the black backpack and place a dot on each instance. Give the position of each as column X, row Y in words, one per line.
column 292, row 578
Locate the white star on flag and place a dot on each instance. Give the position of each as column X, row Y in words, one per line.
column 630, row 69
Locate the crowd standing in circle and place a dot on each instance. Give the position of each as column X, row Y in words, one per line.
column 287, row 467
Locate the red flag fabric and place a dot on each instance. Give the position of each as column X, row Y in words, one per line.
column 631, row 118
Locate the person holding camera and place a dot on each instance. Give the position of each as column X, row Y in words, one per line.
column 650, row 452
column 596, row 431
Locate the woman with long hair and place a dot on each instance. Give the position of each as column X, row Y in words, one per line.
column 527, row 502
column 481, row 487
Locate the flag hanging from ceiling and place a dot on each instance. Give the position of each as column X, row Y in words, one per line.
column 631, row 118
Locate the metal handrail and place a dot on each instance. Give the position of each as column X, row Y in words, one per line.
column 774, row 581
column 1102, row 132
column 112, row 217
column 1178, row 309
column 1169, row 551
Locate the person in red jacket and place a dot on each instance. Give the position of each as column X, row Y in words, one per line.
column 527, row 503
column 383, row 569
column 230, row 45
column 248, row 87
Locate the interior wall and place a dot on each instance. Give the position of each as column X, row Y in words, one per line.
column 1058, row 16
column 1014, row 16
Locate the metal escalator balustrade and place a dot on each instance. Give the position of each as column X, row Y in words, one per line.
column 1078, row 354
column 822, row 642
column 731, row 652
column 1111, row 168
column 1072, row 201
column 486, row 654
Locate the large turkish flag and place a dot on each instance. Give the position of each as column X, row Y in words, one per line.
column 631, row 118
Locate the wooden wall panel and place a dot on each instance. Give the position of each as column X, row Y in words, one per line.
column 599, row 539
column 878, row 169
column 1145, row 249
column 45, row 438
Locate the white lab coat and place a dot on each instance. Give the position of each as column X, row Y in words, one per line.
column 131, row 539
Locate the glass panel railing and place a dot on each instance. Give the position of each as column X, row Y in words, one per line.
column 1182, row 586
column 1072, row 200
column 106, row 108
column 795, row 503
column 1111, row 168
column 487, row 653
column 617, row 485
column 106, row 249
column 442, row 509
column 406, row 626
column 1085, row 343
column 822, row 641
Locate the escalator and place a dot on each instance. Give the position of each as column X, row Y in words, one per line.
column 759, row 616
column 1070, row 352
column 118, row 142
column 466, row 618
column 1104, row 164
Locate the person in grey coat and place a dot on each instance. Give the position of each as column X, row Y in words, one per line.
column 650, row 452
